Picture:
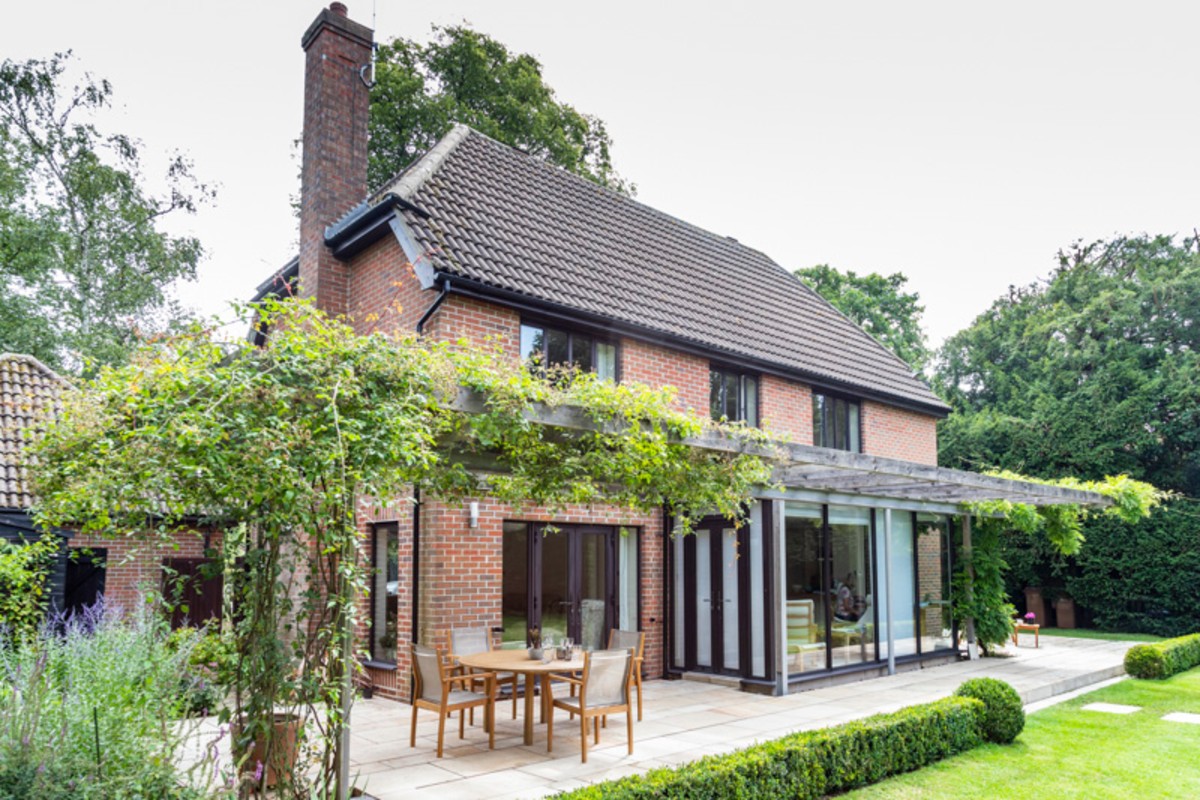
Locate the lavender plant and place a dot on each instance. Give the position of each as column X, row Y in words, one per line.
column 89, row 709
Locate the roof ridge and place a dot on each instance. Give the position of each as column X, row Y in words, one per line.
column 35, row 362
column 409, row 180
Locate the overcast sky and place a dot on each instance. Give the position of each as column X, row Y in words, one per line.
column 959, row 143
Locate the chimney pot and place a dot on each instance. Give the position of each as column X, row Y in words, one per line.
column 338, row 8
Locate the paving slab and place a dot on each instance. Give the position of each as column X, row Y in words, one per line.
column 1112, row 708
column 684, row 720
column 1182, row 716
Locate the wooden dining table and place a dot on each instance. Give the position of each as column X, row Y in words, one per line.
column 518, row 661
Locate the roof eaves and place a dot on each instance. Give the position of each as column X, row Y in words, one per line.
column 280, row 280
column 461, row 284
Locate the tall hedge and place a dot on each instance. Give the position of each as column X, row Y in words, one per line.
column 1143, row 578
column 811, row 764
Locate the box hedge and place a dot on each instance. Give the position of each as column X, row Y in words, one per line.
column 1163, row 659
column 1004, row 717
column 811, row 764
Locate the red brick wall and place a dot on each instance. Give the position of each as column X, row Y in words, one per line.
column 897, row 433
column 481, row 323
column 132, row 565
column 461, row 571
column 659, row 366
column 385, row 294
column 785, row 407
column 333, row 173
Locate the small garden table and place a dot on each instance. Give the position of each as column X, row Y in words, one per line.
column 1027, row 626
column 518, row 661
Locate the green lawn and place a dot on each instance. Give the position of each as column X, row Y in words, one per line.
column 1066, row 752
column 1081, row 633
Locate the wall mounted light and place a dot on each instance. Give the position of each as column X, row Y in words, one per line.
column 473, row 515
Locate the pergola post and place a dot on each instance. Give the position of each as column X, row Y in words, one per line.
column 887, row 583
column 780, row 600
column 972, row 650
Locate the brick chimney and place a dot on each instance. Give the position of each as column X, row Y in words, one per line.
column 333, row 176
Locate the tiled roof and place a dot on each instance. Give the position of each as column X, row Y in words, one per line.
column 510, row 221
column 29, row 394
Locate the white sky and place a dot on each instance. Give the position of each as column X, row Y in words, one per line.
column 959, row 143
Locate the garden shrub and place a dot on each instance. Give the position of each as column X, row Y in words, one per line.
column 1004, row 716
column 23, row 570
column 210, row 664
column 811, row 764
column 1163, row 659
column 88, row 710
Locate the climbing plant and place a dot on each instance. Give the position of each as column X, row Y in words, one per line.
column 979, row 589
column 285, row 448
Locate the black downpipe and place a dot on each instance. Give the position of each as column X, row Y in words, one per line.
column 416, row 575
column 434, row 306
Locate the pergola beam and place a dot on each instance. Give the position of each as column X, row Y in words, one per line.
column 836, row 471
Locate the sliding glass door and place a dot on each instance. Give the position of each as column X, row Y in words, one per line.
column 829, row 601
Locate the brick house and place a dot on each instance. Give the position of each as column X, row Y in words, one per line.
column 88, row 567
column 845, row 570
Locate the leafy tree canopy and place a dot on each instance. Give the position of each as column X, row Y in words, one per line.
column 83, row 264
column 1092, row 372
column 879, row 305
column 466, row 76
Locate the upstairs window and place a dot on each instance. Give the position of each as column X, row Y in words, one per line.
column 733, row 395
column 835, row 423
column 552, row 347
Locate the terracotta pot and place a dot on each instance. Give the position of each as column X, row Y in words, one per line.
column 1064, row 609
column 285, row 735
column 1035, row 603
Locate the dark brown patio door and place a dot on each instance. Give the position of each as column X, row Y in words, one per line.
column 576, row 595
column 714, row 605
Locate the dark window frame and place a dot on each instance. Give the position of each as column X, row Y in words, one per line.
column 376, row 626
column 742, row 375
column 597, row 337
column 824, row 437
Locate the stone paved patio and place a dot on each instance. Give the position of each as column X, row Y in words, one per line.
column 684, row 720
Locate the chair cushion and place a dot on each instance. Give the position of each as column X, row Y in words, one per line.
column 571, row 703
column 458, row 696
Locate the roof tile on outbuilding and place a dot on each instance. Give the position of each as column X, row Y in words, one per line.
column 29, row 398
column 507, row 220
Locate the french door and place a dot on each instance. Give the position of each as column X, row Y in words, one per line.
column 712, row 597
column 568, row 582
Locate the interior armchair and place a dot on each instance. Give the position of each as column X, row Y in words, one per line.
column 604, row 689
column 435, row 690
column 804, row 639
column 469, row 641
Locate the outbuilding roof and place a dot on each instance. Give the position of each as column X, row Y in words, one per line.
column 493, row 215
column 29, row 398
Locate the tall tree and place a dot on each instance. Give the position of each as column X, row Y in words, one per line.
column 84, row 265
column 466, row 76
column 879, row 305
column 1093, row 372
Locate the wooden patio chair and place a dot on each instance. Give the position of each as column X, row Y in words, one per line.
column 434, row 690
column 468, row 642
column 604, row 689
column 635, row 643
